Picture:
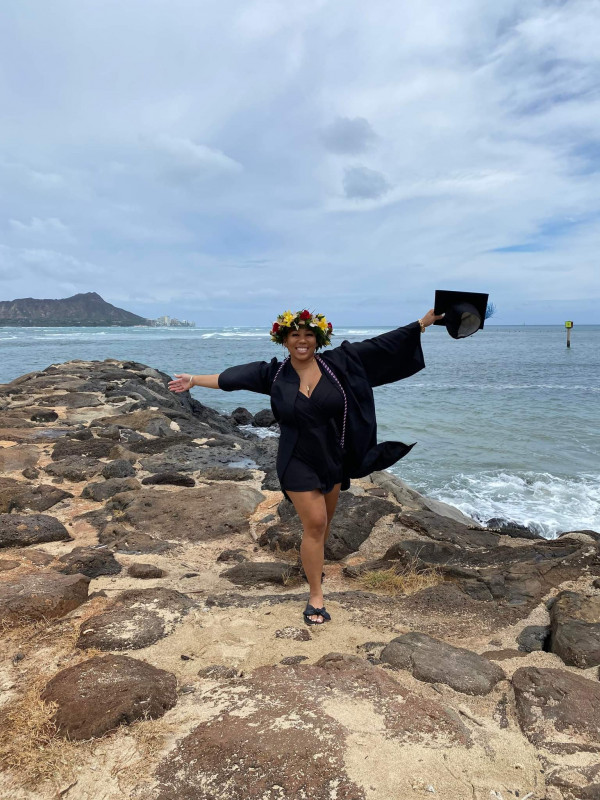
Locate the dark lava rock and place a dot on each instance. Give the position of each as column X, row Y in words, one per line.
column 75, row 468
column 196, row 515
column 87, row 710
column 19, row 530
column 160, row 445
column 575, row 629
column 31, row 473
column 91, row 448
column 118, row 538
column 104, row 489
column 264, row 418
column 289, row 660
column 145, row 571
column 503, row 655
column 90, row 561
column 168, row 479
column 250, row 573
column 44, row 416
column 533, row 637
column 19, row 496
column 134, row 620
column 217, row 671
column 435, row 661
column 352, row 524
column 119, row 468
column 81, row 435
column 232, row 555
column 71, row 400
column 558, row 710
column 445, row 529
column 225, row 474
column 241, row 416
column 272, row 724
column 295, row 634
column 42, row 595
column 512, row 529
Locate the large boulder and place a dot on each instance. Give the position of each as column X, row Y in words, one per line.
column 575, row 629
column 19, row 530
column 19, row 496
column 195, row 515
column 42, row 595
column 251, row 573
column 90, row 448
column 74, row 468
column 96, row 696
column 558, row 710
column 102, row 490
column 436, row 661
column 90, row 561
column 136, row 618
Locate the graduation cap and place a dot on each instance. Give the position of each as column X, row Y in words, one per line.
column 464, row 312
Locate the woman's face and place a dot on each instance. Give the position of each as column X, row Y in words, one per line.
column 301, row 343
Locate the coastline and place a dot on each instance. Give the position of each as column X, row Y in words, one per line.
column 145, row 545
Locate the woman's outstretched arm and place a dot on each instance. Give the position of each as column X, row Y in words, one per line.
column 185, row 381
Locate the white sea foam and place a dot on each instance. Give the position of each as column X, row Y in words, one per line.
column 546, row 503
column 262, row 433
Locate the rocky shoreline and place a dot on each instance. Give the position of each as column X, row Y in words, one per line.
column 153, row 645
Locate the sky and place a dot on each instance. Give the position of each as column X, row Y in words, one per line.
column 225, row 161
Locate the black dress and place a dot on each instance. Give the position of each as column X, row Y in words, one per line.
column 316, row 461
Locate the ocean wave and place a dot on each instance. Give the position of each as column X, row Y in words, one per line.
column 546, row 503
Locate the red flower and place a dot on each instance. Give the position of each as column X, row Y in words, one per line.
column 330, row 326
column 305, row 314
column 275, row 327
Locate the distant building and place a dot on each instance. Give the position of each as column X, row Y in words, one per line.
column 172, row 322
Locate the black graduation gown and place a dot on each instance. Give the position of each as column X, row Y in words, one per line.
column 359, row 366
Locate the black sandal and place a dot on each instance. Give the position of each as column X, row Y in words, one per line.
column 309, row 612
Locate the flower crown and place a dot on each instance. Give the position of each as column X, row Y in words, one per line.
column 288, row 321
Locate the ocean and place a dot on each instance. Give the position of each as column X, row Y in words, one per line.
column 507, row 421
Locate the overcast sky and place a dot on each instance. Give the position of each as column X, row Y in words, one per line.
column 224, row 161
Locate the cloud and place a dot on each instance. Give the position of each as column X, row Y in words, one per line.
column 48, row 229
column 364, row 184
column 350, row 162
column 348, row 136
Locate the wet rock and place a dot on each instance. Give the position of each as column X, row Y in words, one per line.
column 241, row 416
column 217, row 671
column 251, row 573
column 87, row 710
column 558, row 710
column 168, row 479
column 104, row 489
column 435, row 661
column 119, row 468
column 90, row 448
column 19, row 496
column 18, row 457
column 136, row 618
column 75, row 468
column 145, row 571
column 264, row 419
column 42, row 595
column 275, row 722
column 533, row 637
column 90, row 561
column 232, row 555
column 575, row 629
column 352, row 524
column 295, row 634
column 196, row 515
column 19, row 530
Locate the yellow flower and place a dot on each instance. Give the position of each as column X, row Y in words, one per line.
column 287, row 318
column 322, row 323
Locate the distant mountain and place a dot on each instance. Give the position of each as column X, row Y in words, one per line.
column 81, row 310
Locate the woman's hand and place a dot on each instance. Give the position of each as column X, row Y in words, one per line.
column 182, row 384
column 429, row 318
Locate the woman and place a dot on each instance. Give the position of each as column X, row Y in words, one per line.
column 325, row 408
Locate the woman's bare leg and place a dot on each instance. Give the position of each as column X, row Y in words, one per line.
column 315, row 511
